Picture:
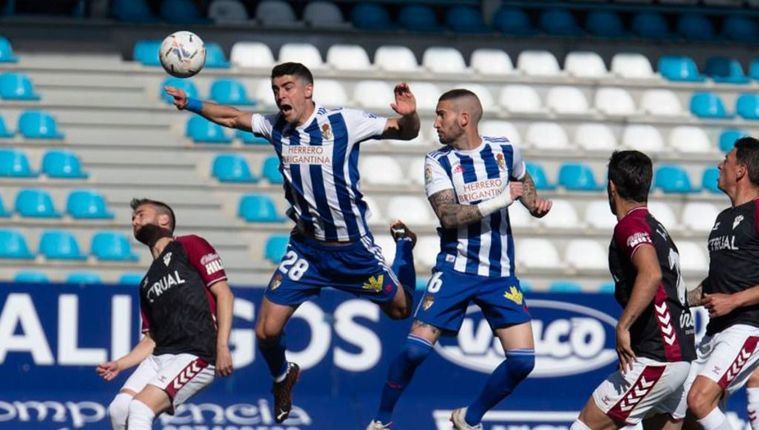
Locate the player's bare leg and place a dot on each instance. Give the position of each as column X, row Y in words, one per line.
column 145, row 406
column 592, row 417
column 401, row 304
column 662, row 422
column 703, row 403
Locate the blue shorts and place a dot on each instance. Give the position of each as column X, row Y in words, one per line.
column 308, row 266
column 449, row 293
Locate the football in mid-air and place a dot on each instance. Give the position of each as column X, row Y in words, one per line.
column 182, row 54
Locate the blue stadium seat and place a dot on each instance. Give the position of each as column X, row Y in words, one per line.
column 525, row 286
column 728, row 137
column 250, row 138
column 183, row 84
column 649, row 24
column 4, row 131
column 62, row 164
column 83, row 278
column 417, row 17
column 146, row 52
column 275, row 247
column 707, row 105
column 604, row 23
column 131, row 278
column 202, row 130
column 559, row 22
column 679, row 68
column 709, row 180
column 421, row 284
column 271, row 171
column 14, row 163
column 606, row 288
column 740, row 28
column 371, row 16
column 87, row 204
column 465, row 19
column 35, row 203
column 181, row 12
column 232, row 168
column 6, row 51
column 747, row 106
column 539, row 176
column 13, row 245
column 723, row 69
column 753, row 69
column 230, row 92
column 31, row 277
column 564, row 287
column 60, row 245
column 672, row 179
column 35, row 124
column 258, row 208
column 132, row 11
column 3, row 212
column 215, row 57
column 694, row 26
column 111, row 246
column 17, row 86
column 577, row 177
column 514, row 21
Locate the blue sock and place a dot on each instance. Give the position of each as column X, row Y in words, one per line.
column 517, row 365
column 415, row 350
column 403, row 265
column 274, row 353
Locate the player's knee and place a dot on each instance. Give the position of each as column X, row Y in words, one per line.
column 118, row 410
column 699, row 400
column 397, row 311
column 521, row 364
column 267, row 333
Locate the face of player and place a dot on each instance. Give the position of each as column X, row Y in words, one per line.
column 447, row 122
column 146, row 225
column 293, row 97
column 727, row 171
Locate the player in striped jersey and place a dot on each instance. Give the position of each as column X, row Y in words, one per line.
column 331, row 244
column 470, row 182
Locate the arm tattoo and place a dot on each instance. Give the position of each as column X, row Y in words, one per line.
column 529, row 192
column 450, row 213
column 419, row 324
column 696, row 295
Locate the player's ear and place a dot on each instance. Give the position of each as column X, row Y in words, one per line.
column 164, row 221
column 464, row 119
column 612, row 188
column 309, row 90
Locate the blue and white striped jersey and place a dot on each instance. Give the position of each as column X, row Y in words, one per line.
column 319, row 164
column 484, row 248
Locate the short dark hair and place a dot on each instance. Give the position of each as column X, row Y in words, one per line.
column 747, row 154
column 294, row 69
column 631, row 172
column 457, row 93
column 161, row 207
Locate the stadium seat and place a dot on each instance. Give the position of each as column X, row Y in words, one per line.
column 664, row 213
column 725, row 70
column 650, row 25
column 62, row 164
column 270, row 170
column 264, row 94
column 740, row 28
column 131, row 278
column 491, row 62
column 425, row 251
column 181, row 12
column 330, row 93
column 83, row 278
column 728, row 137
column 559, row 22
column 642, row 137
column 31, row 277
column 252, row 55
column 250, row 138
column 35, row 203
column 381, row 170
column 395, row 59
column 709, row 180
column 564, row 287
column 604, row 23
column 275, row 248
column 538, row 174
column 482, row 92
column 538, row 63
column 185, row 85
column 13, row 245
column 537, row 254
column 661, row 102
column 513, row 21
column 323, row 14
column 215, row 57
column 415, row 171
column 567, row 100
column 111, row 246
column 747, row 106
column 202, row 130
column 577, row 177
column 371, row 16
column 699, row 216
column 225, row 12
column 348, row 57
column 34, row 124
column 14, row 163
column 695, row 26
column 753, row 69
column 547, row 135
column 585, row 64
column 499, row 128
column 377, row 214
column 258, row 208
column 692, row 258
column 373, row 95
column 520, row 99
column 519, row 217
column 672, row 179
column 595, row 137
column 614, row 102
column 679, row 68
column 412, row 210
column 631, row 66
column 689, row 139
column 706, row 104
column 3, row 211
column 563, row 216
column 606, row 288
column 4, row 131
column 418, row 17
column 465, row 19
column 87, row 204
column 586, row 254
column 17, row 86
column 6, row 51
column 275, row 13
column 443, row 60
column 598, row 215
column 426, row 95
column 60, row 245
column 146, row 52
column 232, row 168
column 304, row 53
column 230, row 92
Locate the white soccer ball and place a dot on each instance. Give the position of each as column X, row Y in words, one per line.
column 182, row 54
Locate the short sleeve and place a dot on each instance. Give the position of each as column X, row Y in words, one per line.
column 203, row 257
column 263, row 124
column 517, row 165
column 363, row 125
column 632, row 233
column 435, row 178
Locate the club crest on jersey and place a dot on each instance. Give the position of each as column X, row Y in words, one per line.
column 514, row 295
column 427, row 174
column 374, row 283
column 276, row 281
column 457, row 168
column 638, row 238
column 716, row 226
column 429, row 299
column 737, row 221
column 501, row 161
column 326, row 132
column 167, row 259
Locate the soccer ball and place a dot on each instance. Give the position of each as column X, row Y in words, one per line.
column 182, row 54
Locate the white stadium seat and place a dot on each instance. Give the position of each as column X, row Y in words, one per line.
column 348, row 57
column 661, row 103
column 599, row 216
column 412, row 210
column 426, row 95
column 520, row 99
column 426, row 250
column 381, row 170
column 520, row 217
column 373, row 94
column 690, row 139
column 538, row 63
column 586, row 254
column 567, row 100
column 632, row 66
column 584, row 64
column 595, row 137
column 644, row 138
column 562, row 216
column 699, row 216
column 330, row 93
column 500, row 128
column 252, row 55
column 484, row 94
column 614, row 102
column 304, row 53
column 378, row 215
column 443, row 60
column 547, row 135
column 387, row 244
column 395, row 59
column 692, row 256
column 537, row 254
column 264, row 94
column 663, row 212
column 416, row 171
column 491, row 62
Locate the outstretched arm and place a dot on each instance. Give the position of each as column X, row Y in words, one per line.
column 140, row 352
column 227, row 116
column 538, row 207
column 452, row 214
column 405, row 127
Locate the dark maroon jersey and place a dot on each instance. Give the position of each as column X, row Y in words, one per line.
column 664, row 331
column 734, row 262
column 177, row 306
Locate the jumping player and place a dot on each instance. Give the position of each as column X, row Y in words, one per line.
column 655, row 334
column 331, row 244
column 186, row 320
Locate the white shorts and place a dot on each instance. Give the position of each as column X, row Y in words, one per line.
column 727, row 358
column 651, row 387
column 181, row 376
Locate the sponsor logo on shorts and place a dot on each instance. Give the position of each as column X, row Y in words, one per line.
column 374, row 283
column 276, row 281
column 514, row 295
column 429, row 299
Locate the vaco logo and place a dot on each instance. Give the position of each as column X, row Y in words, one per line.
column 569, row 339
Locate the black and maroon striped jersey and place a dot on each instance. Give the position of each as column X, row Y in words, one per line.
column 177, row 306
column 664, row 331
column 734, row 261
